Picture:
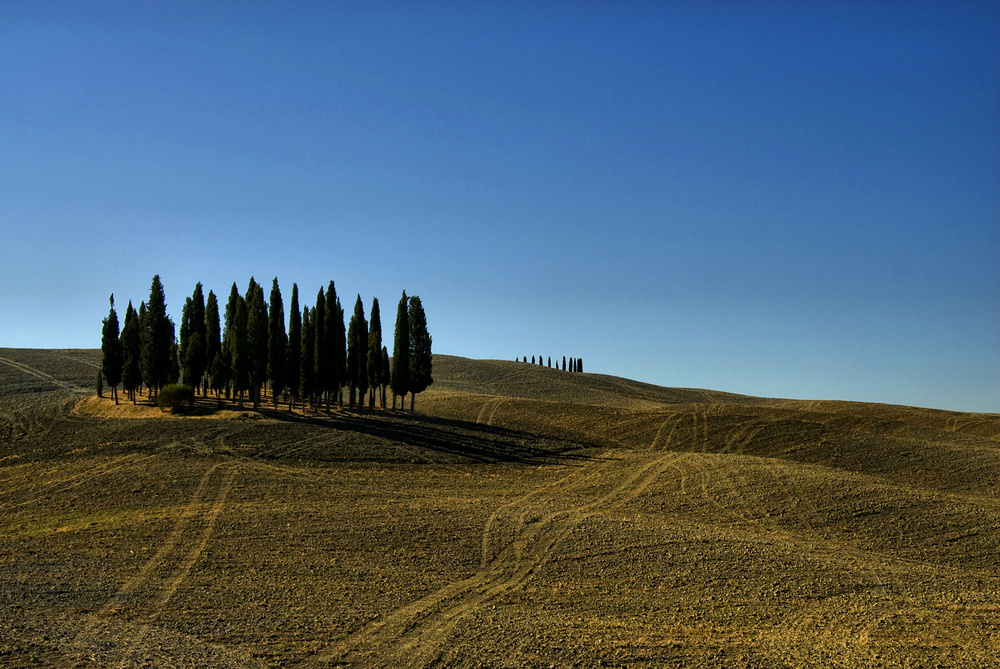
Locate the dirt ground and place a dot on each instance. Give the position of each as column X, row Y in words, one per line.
column 522, row 517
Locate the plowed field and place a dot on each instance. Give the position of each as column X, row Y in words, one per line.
column 522, row 517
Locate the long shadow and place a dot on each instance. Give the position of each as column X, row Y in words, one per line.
column 460, row 440
column 465, row 439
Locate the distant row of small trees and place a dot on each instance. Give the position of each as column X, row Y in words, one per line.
column 575, row 364
column 240, row 355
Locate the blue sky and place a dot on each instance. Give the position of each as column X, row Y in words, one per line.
column 780, row 199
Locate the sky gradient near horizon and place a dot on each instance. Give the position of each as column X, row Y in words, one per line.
column 779, row 199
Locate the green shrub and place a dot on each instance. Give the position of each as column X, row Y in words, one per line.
column 175, row 397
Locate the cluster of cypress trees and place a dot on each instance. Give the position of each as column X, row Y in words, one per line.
column 249, row 349
column 575, row 364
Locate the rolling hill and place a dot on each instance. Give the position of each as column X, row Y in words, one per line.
column 522, row 517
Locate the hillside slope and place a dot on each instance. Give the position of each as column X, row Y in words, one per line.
column 523, row 517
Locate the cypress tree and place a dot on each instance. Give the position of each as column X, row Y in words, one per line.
column 421, row 375
column 158, row 342
column 293, row 370
column 213, row 344
column 357, row 353
column 564, row 364
column 277, row 343
column 385, row 375
column 321, row 369
column 257, row 333
column 228, row 333
column 308, row 356
column 240, row 350
column 174, row 375
column 131, row 347
column 100, row 383
column 111, row 365
column 185, row 341
column 401, row 353
column 579, row 364
column 374, row 353
column 532, row 360
column 198, row 358
column 339, row 362
column 550, row 361
column 193, row 358
column 143, row 343
column 330, row 331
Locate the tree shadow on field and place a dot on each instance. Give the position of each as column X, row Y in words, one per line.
column 462, row 440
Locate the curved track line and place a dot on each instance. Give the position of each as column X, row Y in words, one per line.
column 741, row 436
column 413, row 634
column 189, row 511
column 63, row 484
column 189, row 560
column 37, row 373
column 584, row 474
column 81, row 361
column 147, row 594
column 500, row 401
column 676, row 420
column 492, row 401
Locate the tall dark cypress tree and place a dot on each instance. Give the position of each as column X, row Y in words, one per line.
column 228, row 332
column 400, row 381
column 374, row 353
column 294, row 346
column 386, row 374
column 277, row 343
column 240, row 351
column 308, row 356
column 174, row 375
column 321, row 367
column 421, row 368
column 339, row 362
column 111, row 365
column 257, row 333
column 564, row 364
column 213, row 348
column 333, row 378
column 143, row 343
column 196, row 356
column 131, row 345
column 157, row 345
column 185, row 340
column 357, row 353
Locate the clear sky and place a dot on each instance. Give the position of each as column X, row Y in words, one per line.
column 782, row 199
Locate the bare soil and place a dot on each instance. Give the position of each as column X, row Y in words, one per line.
column 522, row 517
